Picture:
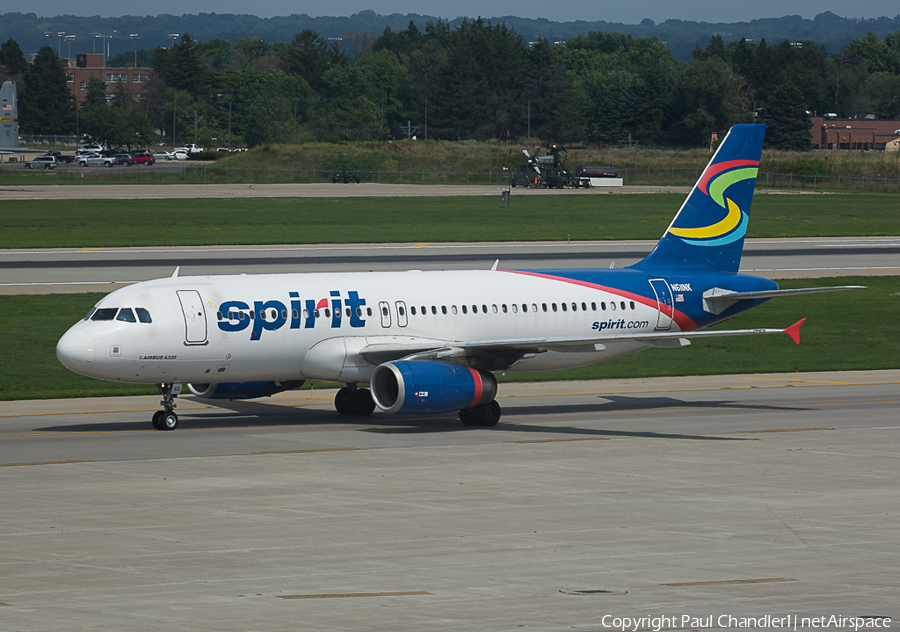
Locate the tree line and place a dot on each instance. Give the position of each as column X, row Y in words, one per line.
column 475, row 80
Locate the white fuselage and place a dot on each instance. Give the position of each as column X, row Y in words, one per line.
column 312, row 326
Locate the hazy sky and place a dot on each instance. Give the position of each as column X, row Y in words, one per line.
column 626, row 11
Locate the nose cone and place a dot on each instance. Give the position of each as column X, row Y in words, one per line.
column 76, row 350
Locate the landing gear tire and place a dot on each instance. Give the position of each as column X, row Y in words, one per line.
column 156, row 416
column 361, row 402
column 168, row 421
column 342, row 401
column 485, row 415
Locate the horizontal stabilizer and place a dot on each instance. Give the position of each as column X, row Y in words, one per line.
column 717, row 300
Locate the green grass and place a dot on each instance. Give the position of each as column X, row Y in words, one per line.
column 845, row 331
column 111, row 223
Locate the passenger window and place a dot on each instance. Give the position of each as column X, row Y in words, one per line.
column 105, row 313
column 484, row 309
column 544, row 306
column 327, row 313
column 603, row 305
column 524, row 307
column 575, row 307
column 612, row 305
column 126, row 315
column 503, row 307
column 453, row 308
column 424, row 310
column 369, row 311
column 143, row 315
column 594, row 306
column 384, row 311
column 465, row 309
column 474, row 309
column 515, row 308
column 632, row 304
column 584, row 307
column 554, row 307
column 348, row 312
column 564, row 306
column 294, row 314
column 412, row 310
column 534, row 307
column 622, row 304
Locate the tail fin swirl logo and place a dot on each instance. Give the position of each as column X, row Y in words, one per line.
column 714, row 184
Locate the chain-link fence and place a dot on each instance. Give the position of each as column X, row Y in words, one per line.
column 214, row 174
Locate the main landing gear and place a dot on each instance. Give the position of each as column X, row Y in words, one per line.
column 166, row 419
column 485, row 415
column 354, row 401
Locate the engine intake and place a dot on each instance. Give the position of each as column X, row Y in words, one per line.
column 241, row 390
column 425, row 386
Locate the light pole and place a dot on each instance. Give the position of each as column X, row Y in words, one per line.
column 173, row 37
column 94, row 36
column 134, row 36
column 69, row 40
column 59, row 36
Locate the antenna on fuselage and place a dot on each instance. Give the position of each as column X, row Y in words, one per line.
column 175, row 274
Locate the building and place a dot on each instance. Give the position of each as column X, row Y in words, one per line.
column 855, row 134
column 89, row 65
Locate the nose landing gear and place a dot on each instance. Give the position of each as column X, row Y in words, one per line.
column 166, row 419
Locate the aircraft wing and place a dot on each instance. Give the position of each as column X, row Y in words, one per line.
column 504, row 353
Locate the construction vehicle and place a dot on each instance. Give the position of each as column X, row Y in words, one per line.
column 548, row 171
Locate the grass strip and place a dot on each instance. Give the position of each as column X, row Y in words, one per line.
column 852, row 330
column 199, row 222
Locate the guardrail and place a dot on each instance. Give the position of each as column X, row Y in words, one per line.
column 213, row 174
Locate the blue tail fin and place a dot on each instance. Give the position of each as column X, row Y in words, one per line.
column 709, row 228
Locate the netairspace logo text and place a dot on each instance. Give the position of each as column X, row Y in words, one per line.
column 789, row 622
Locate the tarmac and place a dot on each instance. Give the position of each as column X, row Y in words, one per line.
column 661, row 503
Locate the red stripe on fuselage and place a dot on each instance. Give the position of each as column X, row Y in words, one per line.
column 684, row 322
column 713, row 170
column 479, row 387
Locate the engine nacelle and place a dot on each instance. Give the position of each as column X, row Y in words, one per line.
column 425, row 386
column 241, row 390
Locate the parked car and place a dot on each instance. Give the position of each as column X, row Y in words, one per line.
column 86, row 160
column 143, row 157
column 180, row 154
column 162, row 154
column 191, row 149
column 60, row 158
column 123, row 159
column 42, row 162
column 225, row 149
column 91, row 149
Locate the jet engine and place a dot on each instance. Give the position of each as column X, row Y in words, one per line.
column 430, row 387
column 241, row 390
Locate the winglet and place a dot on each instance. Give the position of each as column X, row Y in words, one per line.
column 794, row 331
column 494, row 267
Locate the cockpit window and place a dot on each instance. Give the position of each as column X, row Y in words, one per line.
column 90, row 313
column 105, row 313
column 143, row 315
column 126, row 315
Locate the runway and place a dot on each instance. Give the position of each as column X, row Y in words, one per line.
column 737, row 495
column 104, row 269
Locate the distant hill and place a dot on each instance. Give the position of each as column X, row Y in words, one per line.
column 826, row 29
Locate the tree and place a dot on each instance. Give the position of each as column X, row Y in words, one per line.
column 309, row 56
column 46, row 106
column 12, row 59
column 789, row 126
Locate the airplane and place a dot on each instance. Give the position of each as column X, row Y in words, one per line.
column 429, row 342
column 9, row 122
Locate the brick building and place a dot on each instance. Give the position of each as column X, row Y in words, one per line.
column 89, row 65
column 858, row 134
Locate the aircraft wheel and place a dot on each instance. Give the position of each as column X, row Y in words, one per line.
column 156, row 417
column 361, row 402
column 343, row 401
column 486, row 415
column 467, row 416
column 168, row 421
